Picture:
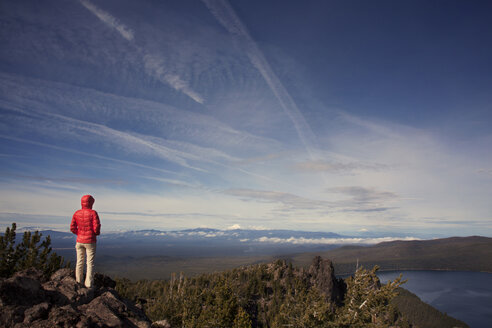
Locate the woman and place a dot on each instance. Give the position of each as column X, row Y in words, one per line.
column 85, row 224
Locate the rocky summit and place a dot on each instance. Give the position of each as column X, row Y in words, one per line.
column 28, row 300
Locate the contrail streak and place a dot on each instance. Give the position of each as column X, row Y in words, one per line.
column 154, row 64
column 225, row 14
column 125, row 32
column 42, row 144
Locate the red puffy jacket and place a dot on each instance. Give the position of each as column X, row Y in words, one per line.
column 85, row 222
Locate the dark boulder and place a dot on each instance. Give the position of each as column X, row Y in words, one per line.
column 37, row 312
column 24, row 288
column 64, row 316
column 103, row 281
column 108, row 308
column 10, row 315
column 61, row 274
column 28, row 301
column 67, row 291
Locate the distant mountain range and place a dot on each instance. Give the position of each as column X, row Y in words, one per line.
column 207, row 233
column 201, row 242
column 277, row 236
column 203, row 249
column 212, row 242
column 235, row 244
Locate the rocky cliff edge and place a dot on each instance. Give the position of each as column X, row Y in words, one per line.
column 27, row 300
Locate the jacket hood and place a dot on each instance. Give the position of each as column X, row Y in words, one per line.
column 87, row 201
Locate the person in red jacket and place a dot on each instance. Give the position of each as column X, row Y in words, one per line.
column 86, row 225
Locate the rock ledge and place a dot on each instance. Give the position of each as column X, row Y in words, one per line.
column 26, row 300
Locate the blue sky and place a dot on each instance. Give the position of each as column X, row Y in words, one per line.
column 346, row 116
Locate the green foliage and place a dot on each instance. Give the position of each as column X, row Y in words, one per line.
column 265, row 295
column 8, row 252
column 367, row 302
column 242, row 319
column 30, row 252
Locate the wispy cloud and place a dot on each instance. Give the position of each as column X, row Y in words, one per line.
column 339, row 167
column 486, row 223
column 146, row 116
column 225, row 14
column 330, row 241
column 160, row 214
column 261, row 159
column 155, row 64
column 486, row 172
column 109, row 20
column 176, row 182
column 71, row 180
column 175, row 151
column 364, row 195
column 87, row 132
column 73, row 151
column 392, row 130
column 288, row 200
column 368, row 209
column 361, row 200
column 40, row 221
column 185, row 154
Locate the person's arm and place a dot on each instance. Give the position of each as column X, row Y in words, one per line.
column 73, row 225
column 96, row 224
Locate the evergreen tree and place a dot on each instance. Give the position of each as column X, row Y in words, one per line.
column 367, row 302
column 242, row 319
column 30, row 252
column 8, row 253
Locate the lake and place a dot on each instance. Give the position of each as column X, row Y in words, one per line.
column 466, row 296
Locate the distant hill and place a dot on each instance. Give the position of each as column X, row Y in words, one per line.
column 421, row 314
column 456, row 254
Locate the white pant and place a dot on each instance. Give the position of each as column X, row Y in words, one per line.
column 82, row 249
